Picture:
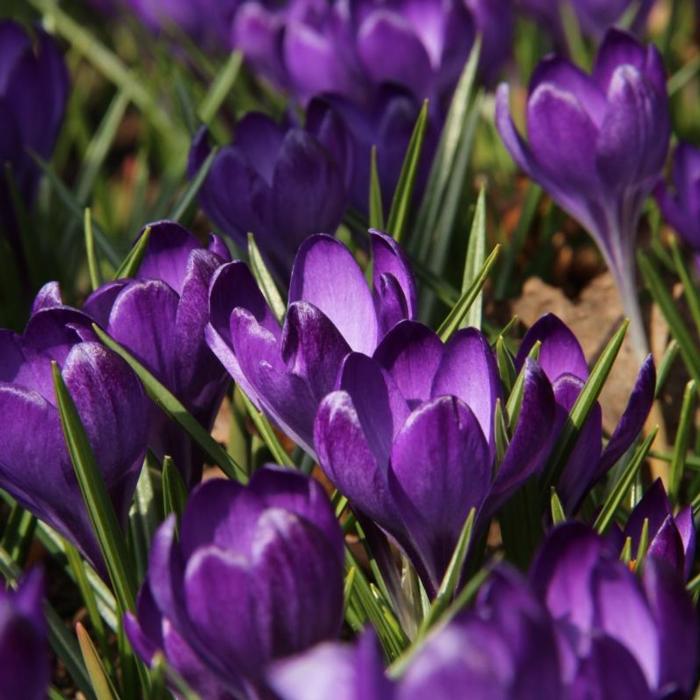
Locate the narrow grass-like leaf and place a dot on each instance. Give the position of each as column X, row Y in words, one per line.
column 474, row 261
column 132, row 262
column 220, row 88
column 100, row 509
column 643, row 545
column 403, row 195
column 683, row 75
column 192, row 189
column 572, row 33
column 443, row 290
column 690, row 289
column 679, row 330
column 104, row 690
column 450, row 580
column 556, row 508
column 93, row 264
column 468, row 297
column 75, row 208
column 680, row 449
column 515, row 399
column 501, row 434
column 98, row 148
column 376, row 208
column 626, row 551
column 623, row 484
column 506, row 367
column 670, row 355
column 61, row 641
column 18, row 533
column 174, row 490
column 583, row 406
column 265, row 280
column 267, row 433
column 173, row 407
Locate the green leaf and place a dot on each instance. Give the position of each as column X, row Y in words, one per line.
column 556, row 508
column 643, row 545
column 376, row 208
column 18, row 532
column 220, row 88
column 265, row 280
column 403, row 194
column 680, row 449
column 662, row 372
column 506, row 366
column 174, row 490
column 132, row 262
column 192, row 189
column 468, row 297
column 581, row 409
column 623, row 484
column 450, row 580
column 690, row 289
column 93, row 265
column 92, row 487
column 668, row 305
column 104, row 690
column 267, row 433
column 173, row 407
column 500, row 431
column 474, row 261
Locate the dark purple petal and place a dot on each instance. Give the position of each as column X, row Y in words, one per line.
column 389, row 259
column 99, row 304
column 411, row 353
column 686, row 529
column 47, row 297
column 654, row 507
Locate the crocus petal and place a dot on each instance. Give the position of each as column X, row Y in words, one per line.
column 411, row 354
column 667, row 545
column 259, row 137
column 388, row 258
column 439, row 470
column 47, row 297
column 468, row 370
column 165, row 258
column 633, row 418
column 654, row 507
column 326, row 275
column 560, row 351
column 99, row 304
column 686, row 529
column 676, row 625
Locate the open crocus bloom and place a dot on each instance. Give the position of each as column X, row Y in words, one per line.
column 597, row 145
column 409, row 438
column 286, row 370
column 256, row 575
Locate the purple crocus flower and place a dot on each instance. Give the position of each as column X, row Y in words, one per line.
column 409, row 438
column 33, row 93
column 682, row 209
column 597, row 144
column 670, row 537
column 334, row 670
column 35, row 467
column 562, row 360
column 286, row 370
column 24, row 652
column 637, row 636
column 504, row 648
column 281, row 184
column 256, row 575
column 160, row 317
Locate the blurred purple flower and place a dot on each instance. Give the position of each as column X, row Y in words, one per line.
column 24, row 651
column 256, row 575
column 409, row 438
column 671, row 537
column 562, row 360
column 160, row 317
column 286, row 370
column 34, row 464
column 682, row 208
column 33, row 94
column 597, row 144
column 281, row 184
column 595, row 17
column 631, row 637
